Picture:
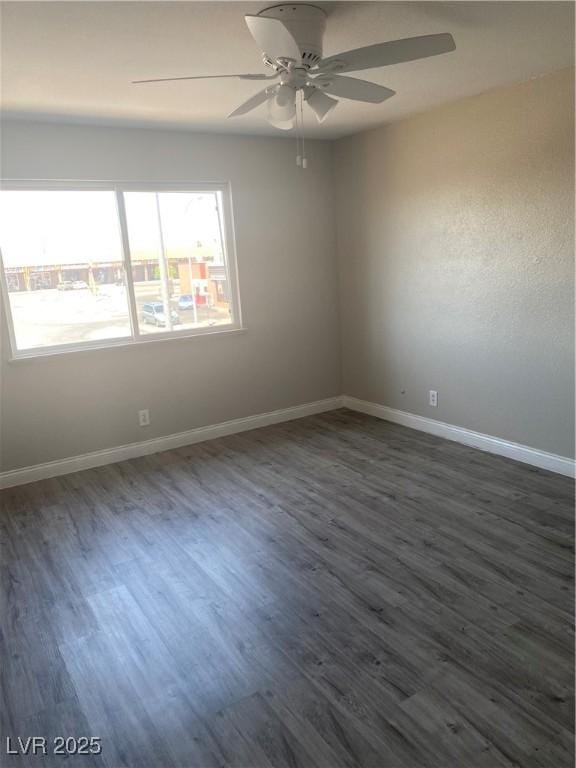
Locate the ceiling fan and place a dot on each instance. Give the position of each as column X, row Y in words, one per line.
column 290, row 37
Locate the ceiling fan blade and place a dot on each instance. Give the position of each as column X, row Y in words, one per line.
column 352, row 88
column 273, row 38
column 203, row 77
column 282, row 107
column 251, row 103
column 392, row 52
column 319, row 102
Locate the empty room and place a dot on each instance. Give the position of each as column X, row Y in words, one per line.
column 287, row 384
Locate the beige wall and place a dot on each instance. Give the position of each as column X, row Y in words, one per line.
column 56, row 407
column 455, row 239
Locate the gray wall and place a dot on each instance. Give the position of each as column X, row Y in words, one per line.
column 455, row 249
column 55, row 407
column 455, row 240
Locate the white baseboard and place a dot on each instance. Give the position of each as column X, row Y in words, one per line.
column 156, row 445
column 542, row 459
column 524, row 453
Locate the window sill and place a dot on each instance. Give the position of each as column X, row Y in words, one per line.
column 122, row 344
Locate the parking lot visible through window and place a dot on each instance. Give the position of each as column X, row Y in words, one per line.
column 88, row 267
column 178, row 260
column 64, row 267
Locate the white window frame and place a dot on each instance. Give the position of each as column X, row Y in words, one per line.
column 136, row 338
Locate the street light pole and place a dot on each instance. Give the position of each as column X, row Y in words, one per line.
column 190, row 279
column 164, row 277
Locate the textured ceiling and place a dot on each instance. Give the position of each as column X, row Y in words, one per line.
column 75, row 60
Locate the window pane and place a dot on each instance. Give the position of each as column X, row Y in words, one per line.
column 63, row 264
column 178, row 260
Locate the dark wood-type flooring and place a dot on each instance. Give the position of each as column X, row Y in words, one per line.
column 332, row 592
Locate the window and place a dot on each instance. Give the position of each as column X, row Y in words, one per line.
column 96, row 266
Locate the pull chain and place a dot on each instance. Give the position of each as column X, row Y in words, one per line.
column 304, row 158
column 298, row 152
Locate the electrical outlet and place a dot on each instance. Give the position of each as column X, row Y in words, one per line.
column 144, row 417
column 433, row 398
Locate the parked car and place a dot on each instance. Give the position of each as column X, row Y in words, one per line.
column 186, row 301
column 65, row 285
column 79, row 285
column 153, row 313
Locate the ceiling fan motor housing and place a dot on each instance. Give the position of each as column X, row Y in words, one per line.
column 306, row 24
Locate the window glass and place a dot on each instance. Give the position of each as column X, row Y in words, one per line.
column 178, row 260
column 73, row 279
column 63, row 267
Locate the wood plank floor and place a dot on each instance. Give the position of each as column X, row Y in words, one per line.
column 335, row 591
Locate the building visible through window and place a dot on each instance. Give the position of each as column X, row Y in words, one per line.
column 82, row 267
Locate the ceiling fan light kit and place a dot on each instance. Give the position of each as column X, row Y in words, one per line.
column 290, row 37
column 282, row 106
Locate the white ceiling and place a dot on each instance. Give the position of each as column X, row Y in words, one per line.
column 75, row 60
